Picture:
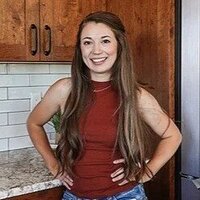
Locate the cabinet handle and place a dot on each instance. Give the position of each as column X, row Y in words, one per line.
column 47, row 40
column 34, row 39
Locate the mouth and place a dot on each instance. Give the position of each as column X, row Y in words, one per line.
column 98, row 61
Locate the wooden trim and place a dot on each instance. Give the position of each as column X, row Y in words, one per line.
column 50, row 194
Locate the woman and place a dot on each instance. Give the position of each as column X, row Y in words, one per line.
column 103, row 150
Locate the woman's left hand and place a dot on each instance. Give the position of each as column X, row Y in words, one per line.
column 119, row 173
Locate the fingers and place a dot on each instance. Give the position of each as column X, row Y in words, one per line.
column 119, row 175
column 67, row 184
column 117, row 172
column 126, row 181
column 66, row 180
column 123, row 182
column 118, row 178
column 119, row 161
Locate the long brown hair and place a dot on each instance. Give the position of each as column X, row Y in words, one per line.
column 131, row 134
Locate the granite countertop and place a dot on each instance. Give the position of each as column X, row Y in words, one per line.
column 23, row 171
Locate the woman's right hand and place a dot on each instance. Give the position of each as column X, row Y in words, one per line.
column 66, row 180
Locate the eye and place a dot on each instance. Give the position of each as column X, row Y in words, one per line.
column 87, row 42
column 106, row 41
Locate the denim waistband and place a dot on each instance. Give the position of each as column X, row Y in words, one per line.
column 136, row 193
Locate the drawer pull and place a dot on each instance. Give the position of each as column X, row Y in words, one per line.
column 47, row 40
column 34, row 39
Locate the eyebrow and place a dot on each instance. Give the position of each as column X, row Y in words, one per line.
column 91, row 38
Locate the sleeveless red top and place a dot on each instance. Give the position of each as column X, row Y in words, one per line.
column 99, row 130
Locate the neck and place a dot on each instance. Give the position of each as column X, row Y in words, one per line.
column 100, row 78
column 101, row 86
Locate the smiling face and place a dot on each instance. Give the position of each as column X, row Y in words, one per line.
column 99, row 50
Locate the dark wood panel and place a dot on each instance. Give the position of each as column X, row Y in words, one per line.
column 150, row 29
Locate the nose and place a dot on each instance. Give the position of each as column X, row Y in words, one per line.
column 97, row 48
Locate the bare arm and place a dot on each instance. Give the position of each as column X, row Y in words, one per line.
column 162, row 125
column 53, row 101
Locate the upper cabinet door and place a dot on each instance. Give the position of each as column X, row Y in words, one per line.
column 19, row 30
column 59, row 22
column 150, row 29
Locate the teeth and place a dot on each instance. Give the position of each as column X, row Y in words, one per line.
column 98, row 59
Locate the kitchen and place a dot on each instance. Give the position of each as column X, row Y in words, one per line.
column 36, row 47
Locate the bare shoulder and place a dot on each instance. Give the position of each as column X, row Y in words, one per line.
column 58, row 93
column 147, row 100
column 151, row 112
column 53, row 100
column 61, row 86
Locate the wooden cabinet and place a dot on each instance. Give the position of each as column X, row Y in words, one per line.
column 63, row 18
column 150, row 26
column 16, row 17
column 41, row 30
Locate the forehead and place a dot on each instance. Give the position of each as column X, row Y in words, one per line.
column 96, row 30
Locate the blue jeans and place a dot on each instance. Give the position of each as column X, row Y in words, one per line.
column 136, row 193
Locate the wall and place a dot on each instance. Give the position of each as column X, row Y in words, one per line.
column 190, row 98
column 17, row 83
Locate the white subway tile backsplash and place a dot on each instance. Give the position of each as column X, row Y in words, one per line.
column 60, row 68
column 49, row 128
column 36, row 80
column 52, row 136
column 17, row 118
column 14, row 105
column 14, row 80
column 3, row 93
column 20, row 142
column 25, row 92
column 4, row 144
column 17, row 83
column 28, row 68
column 13, row 131
column 3, row 119
column 3, row 69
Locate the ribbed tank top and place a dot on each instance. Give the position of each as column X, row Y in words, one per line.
column 99, row 130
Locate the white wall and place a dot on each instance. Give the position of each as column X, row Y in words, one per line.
column 190, row 97
column 17, row 83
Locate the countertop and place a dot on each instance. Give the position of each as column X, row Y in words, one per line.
column 23, row 171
